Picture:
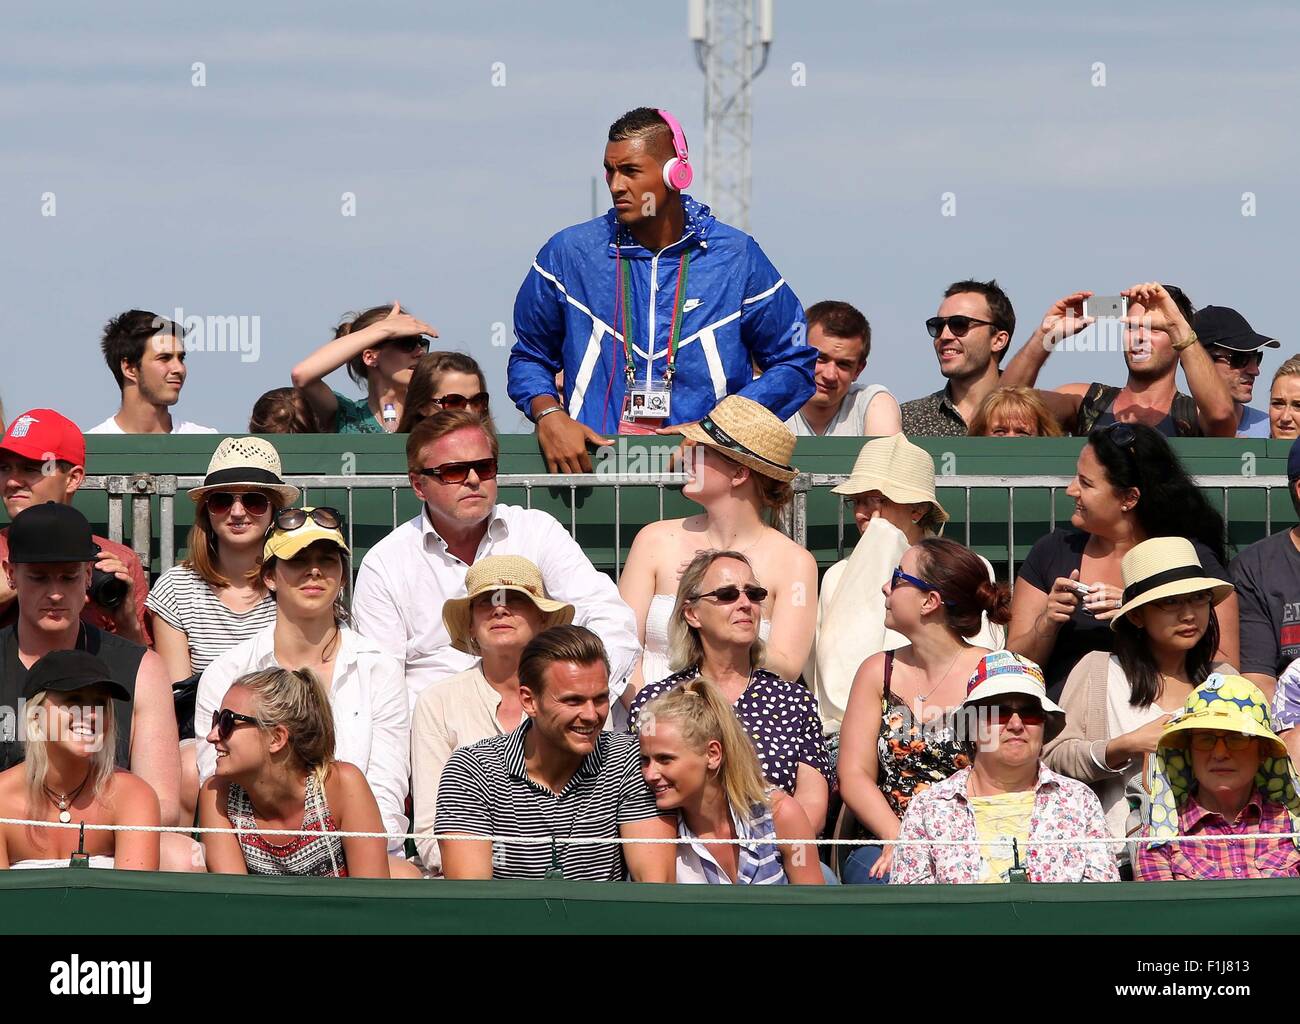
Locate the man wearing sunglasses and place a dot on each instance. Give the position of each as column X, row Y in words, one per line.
column 1238, row 353
column 43, row 458
column 1158, row 338
column 655, row 311
column 971, row 333
column 409, row 575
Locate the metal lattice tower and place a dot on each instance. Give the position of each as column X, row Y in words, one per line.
column 731, row 37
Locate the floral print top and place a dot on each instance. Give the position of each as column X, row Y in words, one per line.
column 913, row 756
column 1063, row 809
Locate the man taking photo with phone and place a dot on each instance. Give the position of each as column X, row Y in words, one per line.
column 654, row 312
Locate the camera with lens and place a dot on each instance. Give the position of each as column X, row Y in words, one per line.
column 105, row 589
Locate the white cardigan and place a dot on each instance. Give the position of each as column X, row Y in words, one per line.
column 372, row 724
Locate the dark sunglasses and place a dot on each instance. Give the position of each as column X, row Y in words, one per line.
column 731, row 594
column 959, row 325
column 292, row 518
column 1122, row 435
column 478, row 403
column 225, row 721
column 1239, row 360
column 458, row 472
column 416, row 342
column 1028, row 715
column 255, row 502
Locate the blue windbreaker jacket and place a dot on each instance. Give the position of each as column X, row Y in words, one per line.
column 737, row 310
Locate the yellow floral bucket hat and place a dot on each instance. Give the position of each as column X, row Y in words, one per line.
column 1225, row 703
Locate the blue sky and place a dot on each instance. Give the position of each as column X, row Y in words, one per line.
column 226, row 199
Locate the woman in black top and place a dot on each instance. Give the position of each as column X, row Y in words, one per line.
column 1128, row 487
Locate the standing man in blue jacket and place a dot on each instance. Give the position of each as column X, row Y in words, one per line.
column 654, row 312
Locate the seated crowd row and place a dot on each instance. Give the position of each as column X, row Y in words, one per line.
column 488, row 682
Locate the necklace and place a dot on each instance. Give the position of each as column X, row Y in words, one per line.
column 942, row 679
column 62, row 802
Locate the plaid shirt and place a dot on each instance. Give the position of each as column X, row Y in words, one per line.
column 1063, row 809
column 1258, row 858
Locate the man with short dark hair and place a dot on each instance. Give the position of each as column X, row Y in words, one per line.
column 408, row 575
column 840, row 407
column 971, row 333
column 146, row 354
column 654, row 312
column 1238, row 353
column 560, row 774
column 1158, row 338
column 1267, row 577
column 48, row 565
column 43, row 458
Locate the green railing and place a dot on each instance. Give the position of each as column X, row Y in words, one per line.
column 1002, row 494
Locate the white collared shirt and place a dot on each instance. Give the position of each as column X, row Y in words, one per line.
column 408, row 576
column 372, row 724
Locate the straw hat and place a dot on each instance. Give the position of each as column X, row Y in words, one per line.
column 245, row 462
column 1164, row 567
column 748, row 433
column 1002, row 672
column 898, row 469
column 501, row 572
column 1223, row 703
column 287, row 543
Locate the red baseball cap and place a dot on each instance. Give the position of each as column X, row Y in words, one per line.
column 39, row 434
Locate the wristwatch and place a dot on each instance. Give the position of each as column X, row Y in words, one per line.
column 1188, row 341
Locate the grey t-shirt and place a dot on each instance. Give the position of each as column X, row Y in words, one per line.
column 1267, row 577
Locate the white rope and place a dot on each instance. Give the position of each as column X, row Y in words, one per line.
column 619, row 840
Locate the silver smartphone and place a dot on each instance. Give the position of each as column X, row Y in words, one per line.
column 1082, row 589
column 1106, row 307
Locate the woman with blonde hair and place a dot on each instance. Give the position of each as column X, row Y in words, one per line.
column 380, row 347
column 274, row 735
column 69, row 773
column 1014, row 412
column 740, row 471
column 445, row 380
column 697, row 760
column 1284, row 401
column 713, row 633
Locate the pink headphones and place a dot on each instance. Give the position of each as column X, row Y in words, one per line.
column 677, row 171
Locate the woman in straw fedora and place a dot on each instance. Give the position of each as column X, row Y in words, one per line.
column 740, row 469
column 305, row 566
column 506, row 605
column 1220, row 770
column 1117, row 705
column 215, row 598
column 894, row 507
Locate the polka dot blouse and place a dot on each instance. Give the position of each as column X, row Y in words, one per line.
column 780, row 717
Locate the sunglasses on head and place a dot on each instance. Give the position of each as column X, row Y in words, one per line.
column 730, row 594
column 255, row 502
column 1029, row 714
column 416, row 342
column 1238, row 360
column 476, row 403
column 1206, row 741
column 1122, row 435
column 458, row 472
column 225, row 721
column 959, row 325
column 292, row 518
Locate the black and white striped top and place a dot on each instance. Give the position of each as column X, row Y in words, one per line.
column 183, row 600
column 485, row 790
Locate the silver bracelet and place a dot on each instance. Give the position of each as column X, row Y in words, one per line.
column 546, row 412
column 1092, row 752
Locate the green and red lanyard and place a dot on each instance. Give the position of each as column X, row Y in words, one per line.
column 623, row 301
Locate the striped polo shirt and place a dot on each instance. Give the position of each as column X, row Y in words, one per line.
column 485, row 790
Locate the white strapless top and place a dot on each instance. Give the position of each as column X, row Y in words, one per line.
column 97, row 860
column 654, row 660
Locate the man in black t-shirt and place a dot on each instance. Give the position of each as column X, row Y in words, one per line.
column 1267, row 577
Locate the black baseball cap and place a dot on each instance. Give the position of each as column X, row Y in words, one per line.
column 50, row 533
column 1219, row 325
column 62, row 671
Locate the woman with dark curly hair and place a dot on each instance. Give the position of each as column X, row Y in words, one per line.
column 1128, row 487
